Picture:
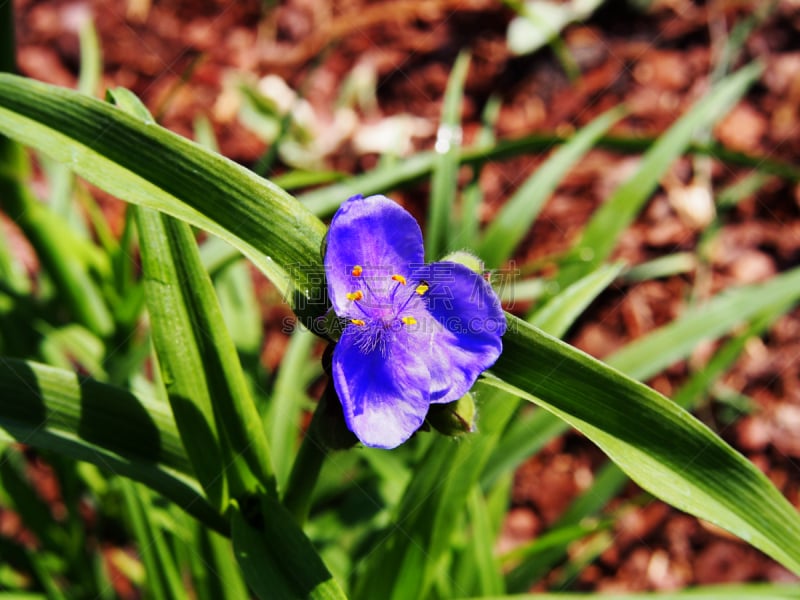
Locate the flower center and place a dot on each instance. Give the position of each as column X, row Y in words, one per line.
column 380, row 307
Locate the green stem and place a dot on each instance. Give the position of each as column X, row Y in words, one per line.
column 308, row 464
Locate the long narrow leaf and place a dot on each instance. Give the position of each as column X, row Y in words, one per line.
column 518, row 214
column 659, row 445
column 163, row 579
column 286, row 405
column 612, row 218
column 55, row 409
column 179, row 349
column 655, row 351
column 142, row 163
column 277, row 559
column 418, row 537
column 444, row 180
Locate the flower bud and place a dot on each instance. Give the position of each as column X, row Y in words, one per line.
column 454, row 418
column 469, row 260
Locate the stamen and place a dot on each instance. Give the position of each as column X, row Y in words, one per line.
column 358, row 322
column 409, row 320
column 357, row 295
column 399, row 278
column 422, row 288
column 357, row 270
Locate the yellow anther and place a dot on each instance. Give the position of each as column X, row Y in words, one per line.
column 399, row 278
column 422, row 288
column 357, row 295
column 357, row 270
column 358, row 322
column 409, row 320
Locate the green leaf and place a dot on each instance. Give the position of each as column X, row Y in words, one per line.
column 72, row 345
column 646, row 356
column 287, row 402
column 217, row 574
column 240, row 309
column 558, row 314
column 277, row 559
column 466, row 231
column 58, row 249
column 606, row 225
column 112, row 428
column 658, row 444
column 198, row 359
column 444, row 180
column 163, row 578
column 610, row 479
column 514, row 221
column 91, row 61
column 417, row 541
column 142, row 163
column 487, row 569
column 531, row 431
column 179, row 348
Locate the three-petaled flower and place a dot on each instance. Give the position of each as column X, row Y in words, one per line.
column 414, row 334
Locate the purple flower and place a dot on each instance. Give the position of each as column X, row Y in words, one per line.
column 414, row 334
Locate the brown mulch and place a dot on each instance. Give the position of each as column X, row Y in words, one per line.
column 180, row 56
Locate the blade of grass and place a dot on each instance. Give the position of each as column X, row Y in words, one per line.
column 91, row 68
column 324, row 201
column 610, row 479
column 198, row 359
column 179, row 348
column 197, row 355
column 162, row 576
column 277, row 559
column 142, row 163
column 653, row 352
column 55, row 409
column 239, row 306
column 513, row 222
column 606, row 225
column 467, row 231
column 418, row 540
column 55, row 248
column 558, row 314
column 531, row 431
column 228, row 581
column 286, row 406
column 486, row 565
column 444, row 180
column 43, row 574
column 663, row 266
column 661, row 447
